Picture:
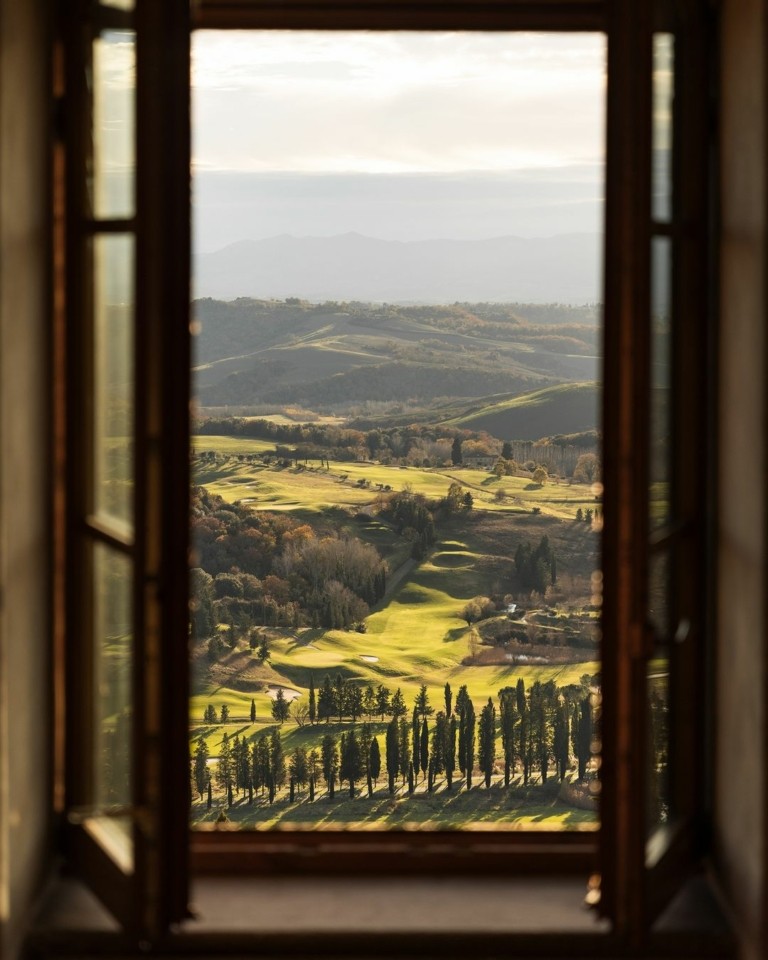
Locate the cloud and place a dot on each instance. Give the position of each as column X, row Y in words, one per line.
column 396, row 102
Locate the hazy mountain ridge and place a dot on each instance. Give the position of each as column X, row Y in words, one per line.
column 560, row 269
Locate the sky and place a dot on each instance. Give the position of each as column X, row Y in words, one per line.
column 396, row 135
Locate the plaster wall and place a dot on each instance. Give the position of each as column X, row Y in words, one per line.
column 24, row 541
column 741, row 686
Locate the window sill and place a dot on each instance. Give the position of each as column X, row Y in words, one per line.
column 540, row 917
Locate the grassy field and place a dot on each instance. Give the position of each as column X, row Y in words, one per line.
column 313, row 490
column 516, row 808
column 414, row 636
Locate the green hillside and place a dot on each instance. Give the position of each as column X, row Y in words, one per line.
column 327, row 356
column 564, row 408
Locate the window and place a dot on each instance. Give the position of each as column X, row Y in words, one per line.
column 360, row 231
column 145, row 619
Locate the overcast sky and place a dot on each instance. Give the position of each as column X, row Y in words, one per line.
column 396, row 135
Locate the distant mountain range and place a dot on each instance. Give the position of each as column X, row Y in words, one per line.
column 559, row 269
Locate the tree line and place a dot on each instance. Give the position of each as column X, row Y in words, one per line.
column 538, row 732
column 256, row 568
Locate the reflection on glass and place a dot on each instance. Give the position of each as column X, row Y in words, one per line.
column 658, row 799
column 114, row 129
column 119, row 4
column 663, row 104
column 113, row 654
column 113, row 376
column 659, row 593
column 661, row 382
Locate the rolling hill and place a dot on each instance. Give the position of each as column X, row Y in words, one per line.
column 563, row 408
column 251, row 352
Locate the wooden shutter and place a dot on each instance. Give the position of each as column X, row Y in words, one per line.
column 125, row 203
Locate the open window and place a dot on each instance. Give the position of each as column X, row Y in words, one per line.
column 124, row 358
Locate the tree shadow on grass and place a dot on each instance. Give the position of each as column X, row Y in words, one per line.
column 511, row 807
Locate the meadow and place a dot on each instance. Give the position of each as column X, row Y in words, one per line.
column 415, row 635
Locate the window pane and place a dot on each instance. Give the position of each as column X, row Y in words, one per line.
column 658, row 800
column 661, row 383
column 396, row 589
column 112, row 692
column 663, row 103
column 660, row 593
column 113, row 378
column 114, row 134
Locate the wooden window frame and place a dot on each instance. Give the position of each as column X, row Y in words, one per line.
column 632, row 892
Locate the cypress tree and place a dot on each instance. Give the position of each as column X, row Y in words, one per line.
column 299, row 767
column 523, row 729
column 537, row 728
column 416, row 740
column 450, row 752
column 277, row 762
column 448, row 695
column 350, row 761
column 561, row 739
column 422, row 702
column 487, row 740
column 405, row 748
column 375, row 759
column 210, row 794
column 340, row 694
column 201, row 766
column 329, row 752
column 224, row 772
column 392, row 752
column 398, row 706
column 584, row 752
column 410, row 778
column 424, row 747
column 327, row 703
column 439, row 735
column 253, row 711
column 280, row 706
column 469, row 743
column 313, row 766
column 507, row 722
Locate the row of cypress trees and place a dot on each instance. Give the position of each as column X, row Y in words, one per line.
column 539, row 729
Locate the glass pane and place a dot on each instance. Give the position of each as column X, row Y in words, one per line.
column 113, row 378
column 658, row 798
column 661, row 383
column 112, row 692
column 114, row 133
column 660, row 593
column 119, row 4
column 663, row 104
column 397, row 626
